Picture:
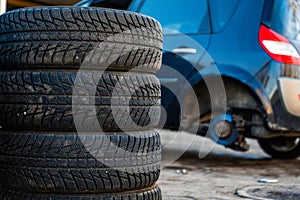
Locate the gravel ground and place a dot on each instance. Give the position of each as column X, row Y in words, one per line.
column 196, row 168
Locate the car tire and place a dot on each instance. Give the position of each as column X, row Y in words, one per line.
column 64, row 71
column 79, row 162
column 151, row 193
column 50, row 100
column 281, row 147
column 71, row 37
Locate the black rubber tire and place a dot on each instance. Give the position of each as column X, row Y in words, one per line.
column 267, row 147
column 70, row 37
column 151, row 193
column 79, row 163
column 42, row 100
column 60, row 82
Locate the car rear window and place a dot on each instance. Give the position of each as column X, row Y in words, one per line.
column 188, row 17
column 286, row 18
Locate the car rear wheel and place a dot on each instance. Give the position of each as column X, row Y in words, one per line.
column 281, row 147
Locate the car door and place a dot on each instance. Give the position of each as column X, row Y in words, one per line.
column 186, row 29
column 186, row 34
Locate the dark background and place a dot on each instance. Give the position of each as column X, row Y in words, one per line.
column 13, row 4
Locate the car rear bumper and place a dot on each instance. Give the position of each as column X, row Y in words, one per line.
column 281, row 84
column 290, row 95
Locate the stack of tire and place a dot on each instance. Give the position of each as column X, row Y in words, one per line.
column 54, row 147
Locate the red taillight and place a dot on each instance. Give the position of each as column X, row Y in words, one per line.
column 278, row 47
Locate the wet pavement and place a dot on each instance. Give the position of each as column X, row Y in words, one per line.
column 218, row 174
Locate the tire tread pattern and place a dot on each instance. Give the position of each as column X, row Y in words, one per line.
column 69, row 37
column 152, row 193
column 71, row 163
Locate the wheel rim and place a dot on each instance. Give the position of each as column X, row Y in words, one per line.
column 284, row 144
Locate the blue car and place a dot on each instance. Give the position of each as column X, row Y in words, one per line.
column 231, row 69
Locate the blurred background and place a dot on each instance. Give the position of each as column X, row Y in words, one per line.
column 13, row 4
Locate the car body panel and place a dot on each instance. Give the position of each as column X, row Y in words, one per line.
column 290, row 91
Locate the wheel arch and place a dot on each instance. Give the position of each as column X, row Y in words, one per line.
column 242, row 80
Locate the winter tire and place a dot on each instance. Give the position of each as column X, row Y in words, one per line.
column 68, row 37
column 79, row 163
